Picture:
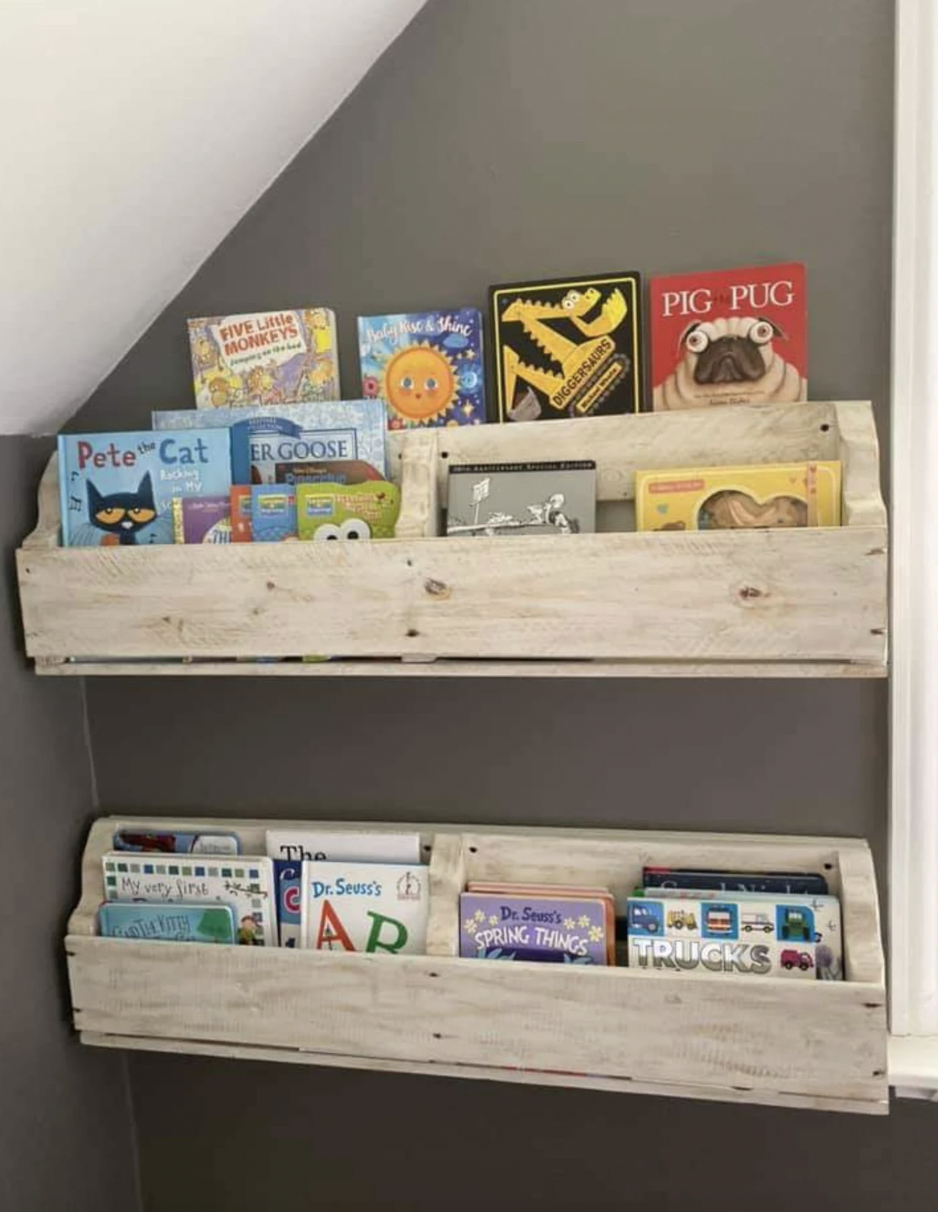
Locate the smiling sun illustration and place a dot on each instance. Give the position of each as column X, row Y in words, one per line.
column 420, row 383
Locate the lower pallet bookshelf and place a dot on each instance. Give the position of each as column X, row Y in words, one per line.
column 781, row 1042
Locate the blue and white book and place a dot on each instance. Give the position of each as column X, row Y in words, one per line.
column 273, row 512
column 175, row 841
column 148, row 922
column 263, row 436
column 117, row 489
column 343, row 846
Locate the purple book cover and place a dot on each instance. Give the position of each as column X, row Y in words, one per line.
column 202, row 519
column 547, row 929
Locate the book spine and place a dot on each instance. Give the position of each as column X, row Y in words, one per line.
column 63, row 489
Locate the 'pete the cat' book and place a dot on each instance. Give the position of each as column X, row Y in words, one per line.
column 269, row 357
column 364, row 907
column 427, row 366
column 568, row 349
column 117, row 489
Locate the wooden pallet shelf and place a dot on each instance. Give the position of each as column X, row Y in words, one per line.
column 742, row 603
column 739, row 1039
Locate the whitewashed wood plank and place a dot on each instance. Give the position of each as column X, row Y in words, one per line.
column 420, row 510
column 447, row 881
column 858, row 451
column 47, row 532
column 609, row 1085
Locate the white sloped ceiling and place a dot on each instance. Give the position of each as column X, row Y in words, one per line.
column 134, row 134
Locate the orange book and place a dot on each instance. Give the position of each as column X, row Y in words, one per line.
column 241, row 513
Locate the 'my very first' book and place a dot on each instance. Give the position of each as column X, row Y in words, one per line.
column 117, row 489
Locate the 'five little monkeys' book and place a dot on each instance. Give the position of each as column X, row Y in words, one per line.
column 117, row 489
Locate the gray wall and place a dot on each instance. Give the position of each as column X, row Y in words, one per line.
column 65, row 1135
column 499, row 139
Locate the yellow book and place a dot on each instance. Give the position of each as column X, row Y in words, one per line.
column 733, row 498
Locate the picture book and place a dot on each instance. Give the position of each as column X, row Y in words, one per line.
column 342, row 846
column 299, row 433
column 545, row 928
column 338, row 471
column 289, row 884
column 267, row 357
column 168, row 923
column 365, row 907
column 202, row 519
column 426, row 366
column 567, row 349
column 240, row 499
column 522, row 498
column 171, row 841
column 117, row 488
column 273, row 513
column 735, row 881
column 746, row 933
column 243, row 882
column 736, row 336
column 738, row 498
column 326, row 510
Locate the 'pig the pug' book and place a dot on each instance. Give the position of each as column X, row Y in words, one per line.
column 117, row 489
column 736, row 336
column 365, row 907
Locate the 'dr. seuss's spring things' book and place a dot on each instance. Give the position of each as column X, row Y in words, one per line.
column 568, row 348
column 365, row 907
column 427, row 366
column 545, row 928
column 268, row 357
column 117, row 488
column 735, row 336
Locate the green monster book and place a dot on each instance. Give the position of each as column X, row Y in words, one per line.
column 347, row 511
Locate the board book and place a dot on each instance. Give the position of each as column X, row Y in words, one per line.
column 327, row 510
column 518, row 499
column 773, row 495
column 243, row 882
column 267, row 357
column 262, row 437
column 735, row 881
column 339, row 471
column 168, row 923
column 172, row 841
column 542, row 928
column 735, row 336
column 372, row 907
column 117, row 489
column 273, row 513
column 240, row 499
column 569, row 348
column 427, row 366
column 202, row 519
column 324, row 845
column 289, row 884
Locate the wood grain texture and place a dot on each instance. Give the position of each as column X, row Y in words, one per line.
column 858, row 451
column 48, row 531
column 420, row 507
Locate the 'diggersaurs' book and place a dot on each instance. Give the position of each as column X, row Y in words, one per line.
column 117, row 489
column 568, row 348
column 735, row 336
column 365, row 907
column 268, row 357
column 300, row 433
column 427, row 366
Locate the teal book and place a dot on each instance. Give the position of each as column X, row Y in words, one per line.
column 117, row 489
column 273, row 512
column 168, row 923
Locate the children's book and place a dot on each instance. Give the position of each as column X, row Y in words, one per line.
column 347, row 511
column 341, row 846
column 273, row 513
column 289, row 882
column 172, row 841
column 246, row 883
column 365, row 907
column 546, row 928
column 427, row 366
column 567, row 349
column 268, row 357
column 518, row 499
column 202, row 519
column 736, row 336
column 117, row 488
column 169, row 923
column 299, row 433
column 787, row 883
column 339, row 471
column 240, row 498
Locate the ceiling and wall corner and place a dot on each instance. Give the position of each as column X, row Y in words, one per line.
column 133, row 137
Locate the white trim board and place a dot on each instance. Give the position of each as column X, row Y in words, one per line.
column 913, row 1066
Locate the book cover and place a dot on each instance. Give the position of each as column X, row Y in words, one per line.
column 339, row 471
column 243, row 882
column 567, row 349
column 786, row 883
column 769, row 496
column 202, row 519
column 735, row 336
column 273, row 513
column 168, row 923
column 552, row 929
column 342, row 846
column 365, row 907
column 267, row 357
column 426, row 366
column 289, row 883
column 750, row 934
column 117, row 488
column 517, row 499
column 240, row 506
column 172, row 841
column 326, row 510
column 300, row 433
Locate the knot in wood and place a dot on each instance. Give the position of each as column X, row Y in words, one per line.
column 748, row 592
column 436, row 589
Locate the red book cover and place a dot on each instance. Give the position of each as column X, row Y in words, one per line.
column 734, row 336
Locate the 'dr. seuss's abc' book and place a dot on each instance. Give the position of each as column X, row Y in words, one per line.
column 268, row 357
column 365, row 907
column 117, row 489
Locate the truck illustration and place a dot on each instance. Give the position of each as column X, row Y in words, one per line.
column 796, row 925
column 719, row 920
column 680, row 919
column 645, row 918
column 757, row 921
column 790, row 958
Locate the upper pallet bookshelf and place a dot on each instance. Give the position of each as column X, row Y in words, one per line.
column 756, row 603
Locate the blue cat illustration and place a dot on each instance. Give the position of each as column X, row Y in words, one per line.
column 122, row 515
